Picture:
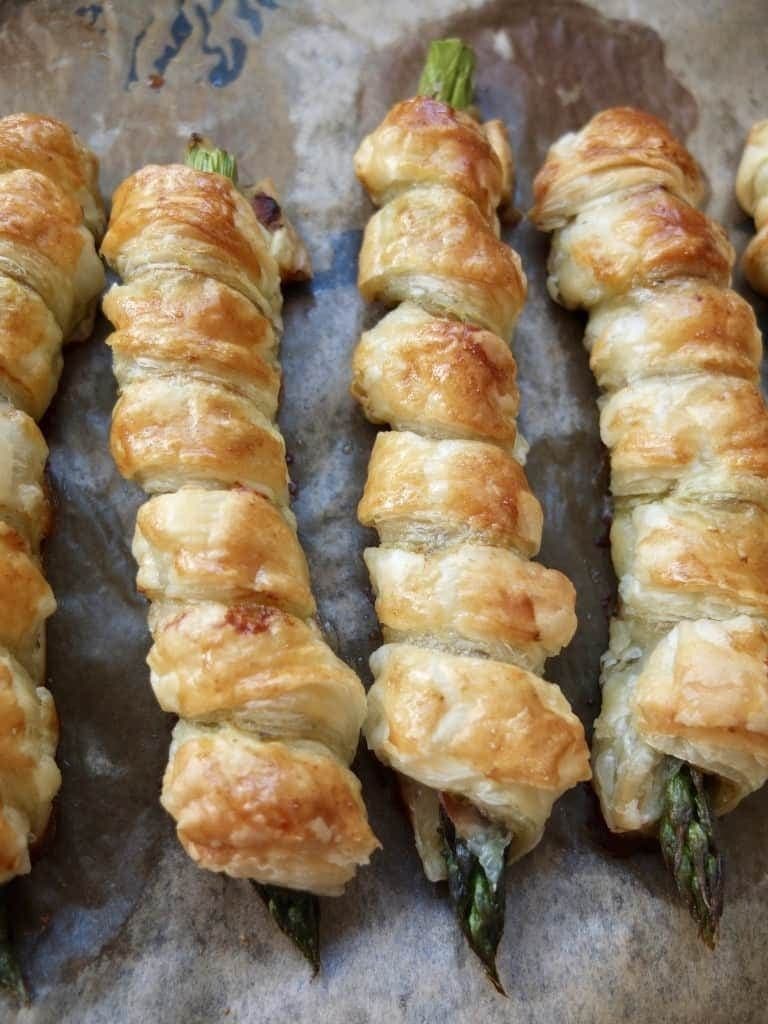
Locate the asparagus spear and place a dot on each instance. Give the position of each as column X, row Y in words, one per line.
column 297, row 914
column 476, row 861
column 688, row 844
column 474, row 849
column 447, row 74
column 11, row 979
column 204, row 156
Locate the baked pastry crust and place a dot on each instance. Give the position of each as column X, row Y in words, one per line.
column 688, row 326
column 257, row 780
column 433, row 246
column 466, row 618
column 230, row 546
column 500, row 736
column 687, row 430
column 752, row 193
column 29, row 777
column 45, row 246
column 675, row 560
column 30, row 349
column 168, row 432
column 702, row 696
column 473, row 599
column 620, row 148
column 423, row 141
column 257, row 666
column 39, row 143
column 286, row 813
column 177, row 217
column 50, row 279
column 444, row 377
column 705, row 436
column 192, row 327
column 639, row 238
column 26, row 601
column 23, row 453
column 425, row 493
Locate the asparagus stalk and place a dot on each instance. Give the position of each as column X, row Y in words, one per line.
column 448, row 72
column 11, row 979
column 688, row 844
column 204, row 156
column 474, row 849
column 476, row 864
column 297, row 914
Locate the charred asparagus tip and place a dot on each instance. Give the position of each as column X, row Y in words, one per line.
column 204, row 156
column 448, row 73
column 688, row 844
column 478, row 899
column 11, row 979
column 297, row 915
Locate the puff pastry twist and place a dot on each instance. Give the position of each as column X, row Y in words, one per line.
column 269, row 718
column 752, row 193
column 458, row 705
column 50, row 278
column 677, row 355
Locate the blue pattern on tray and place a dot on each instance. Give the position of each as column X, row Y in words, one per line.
column 229, row 55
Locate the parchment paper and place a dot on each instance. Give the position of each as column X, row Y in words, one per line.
column 117, row 924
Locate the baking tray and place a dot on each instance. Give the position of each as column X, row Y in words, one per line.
column 116, row 924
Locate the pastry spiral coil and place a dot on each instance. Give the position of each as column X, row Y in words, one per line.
column 752, row 193
column 269, row 718
column 677, row 354
column 50, row 279
column 458, row 703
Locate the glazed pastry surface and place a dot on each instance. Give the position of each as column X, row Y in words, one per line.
column 677, row 353
column 258, row 778
column 752, row 193
column 50, row 280
column 458, row 706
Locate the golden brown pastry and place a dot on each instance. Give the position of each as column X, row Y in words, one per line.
column 687, row 430
column 423, row 140
column 50, row 279
column 258, row 781
column 752, row 193
column 457, row 706
column 38, row 143
column 168, row 431
column 425, row 493
column 446, row 378
column 688, row 326
column 195, row 327
column 431, row 245
column 181, row 218
column 498, row 735
column 474, row 599
column 619, row 149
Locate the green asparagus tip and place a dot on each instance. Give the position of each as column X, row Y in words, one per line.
column 204, row 156
column 11, row 979
column 477, row 892
column 448, row 73
column 297, row 914
column 688, row 844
